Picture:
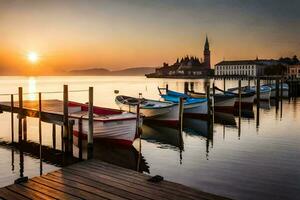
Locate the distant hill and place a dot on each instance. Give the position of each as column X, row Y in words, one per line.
column 137, row 71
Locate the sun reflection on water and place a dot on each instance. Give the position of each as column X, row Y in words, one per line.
column 32, row 88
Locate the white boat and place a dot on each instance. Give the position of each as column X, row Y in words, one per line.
column 161, row 111
column 285, row 90
column 109, row 124
column 222, row 102
column 265, row 92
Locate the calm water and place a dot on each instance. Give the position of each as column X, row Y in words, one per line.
column 257, row 160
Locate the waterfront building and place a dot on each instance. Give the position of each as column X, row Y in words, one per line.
column 187, row 66
column 255, row 67
column 294, row 71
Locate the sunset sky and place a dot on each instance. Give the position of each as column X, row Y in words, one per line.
column 117, row 34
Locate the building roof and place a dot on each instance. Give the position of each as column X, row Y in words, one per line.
column 248, row 62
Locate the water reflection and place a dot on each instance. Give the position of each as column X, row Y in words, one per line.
column 32, row 88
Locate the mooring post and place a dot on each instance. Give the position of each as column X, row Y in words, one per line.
column 224, row 84
column 167, row 88
column 71, row 125
column 91, row 123
column 137, row 120
column 54, row 136
column 240, row 97
column 12, row 117
column 20, row 114
column 213, row 98
column 66, row 118
column 186, row 87
column 25, row 128
column 249, row 83
column 40, row 129
column 208, row 100
column 192, row 86
column 258, row 93
column 281, row 88
column 181, row 109
column 277, row 89
column 80, row 137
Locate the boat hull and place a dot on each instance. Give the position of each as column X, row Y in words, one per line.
column 285, row 93
column 224, row 105
column 120, row 132
column 264, row 96
column 246, row 102
column 196, row 109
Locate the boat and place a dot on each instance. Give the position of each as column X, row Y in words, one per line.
column 285, row 90
column 109, row 124
column 247, row 97
column 265, row 92
column 160, row 111
column 192, row 106
column 222, row 102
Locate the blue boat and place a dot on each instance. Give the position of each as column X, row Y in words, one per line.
column 192, row 106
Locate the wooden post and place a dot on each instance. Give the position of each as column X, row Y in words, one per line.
column 281, row 89
column 12, row 117
column 62, row 138
column 240, row 97
column 249, row 83
column 137, row 119
column 186, row 87
column 66, row 118
column 167, row 88
column 192, row 86
column 40, row 130
column 91, row 123
column 80, row 137
column 181, row 110
column 25, row 128
column 224, row 84
column 277, row 89
column 213, row 98
column 54, row 136
column 20, row 113
column 258, row 92
column 71, row 125
column 208, row 100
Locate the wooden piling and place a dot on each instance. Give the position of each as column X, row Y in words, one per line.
column 167, row 88
column 80, row 137
column 54, row 136
column 20, row 93
column 91, row 123
column 70, row 139
column 181, row 110
column 66, row 117
column 192, row 86
column 25, row 128
column 40, row 130
column 12, row 117
column 224, row 84
column 240, row 97
column 258, row 92
column 186, row 87
column 137, row 120
column 208, row 100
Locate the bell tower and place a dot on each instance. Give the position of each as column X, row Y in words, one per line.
column 206, row 54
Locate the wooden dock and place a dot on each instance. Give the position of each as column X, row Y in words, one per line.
column 94, row 179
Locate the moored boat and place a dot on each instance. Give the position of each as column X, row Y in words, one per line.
column 192, row 106
column 161, row 111
column 222, row 102
column 247, row 97
column 285, row 90
column 109, row 124
column 265, row 92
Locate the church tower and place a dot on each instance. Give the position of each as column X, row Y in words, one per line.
column 206, row 54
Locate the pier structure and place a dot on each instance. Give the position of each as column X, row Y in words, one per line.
column 55, row 112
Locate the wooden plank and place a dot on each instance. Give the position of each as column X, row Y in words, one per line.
column 114, row 183
column 48, row 190
column 152, row 193
column 119, row 171
column 143, row 183
column 7, row 194
column 105, row 187
column 32, row 194
column 83, row 187
column 66, row 189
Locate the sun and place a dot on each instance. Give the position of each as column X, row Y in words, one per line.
column 33, row 57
